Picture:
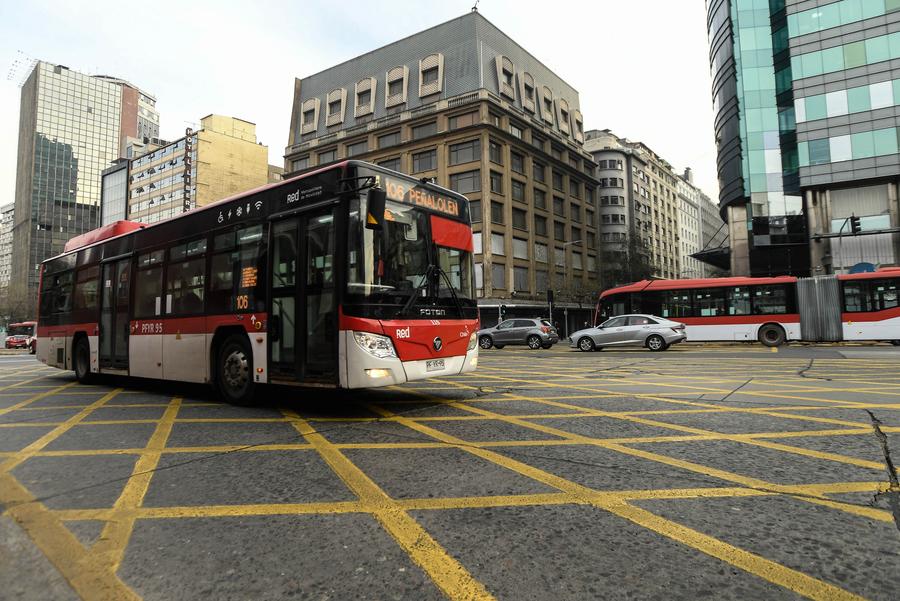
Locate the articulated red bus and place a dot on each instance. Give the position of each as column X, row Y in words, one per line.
column 862, row 306
column 293, row 283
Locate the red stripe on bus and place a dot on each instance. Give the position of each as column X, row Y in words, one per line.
column 700, row 283
column 728, row 320
column 204, row 324
column 452, row 234
column 91, row 329
column 869, row 316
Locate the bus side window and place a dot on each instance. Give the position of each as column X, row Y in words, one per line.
column 856, row 297
column 739, row 301
column 885, row 294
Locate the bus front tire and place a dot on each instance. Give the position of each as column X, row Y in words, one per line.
column 771, row 335
column 234, row 371
column 81, row 360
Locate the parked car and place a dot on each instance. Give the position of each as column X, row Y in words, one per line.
column 535, row 333
column 655, row 333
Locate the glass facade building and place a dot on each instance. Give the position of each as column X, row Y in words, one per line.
column 806, row 104
column 70, row 129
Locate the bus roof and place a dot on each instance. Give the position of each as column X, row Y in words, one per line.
column 883, row 272
column 698, row 283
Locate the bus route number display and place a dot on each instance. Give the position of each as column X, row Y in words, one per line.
column 408, row 193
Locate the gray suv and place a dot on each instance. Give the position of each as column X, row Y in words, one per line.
column 536, row 333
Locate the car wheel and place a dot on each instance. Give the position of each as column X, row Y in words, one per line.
column 546, row 346
column 534, row 342
column 234, row 371
column 586, row 344
column 82, row 361
column 895, row 342
column 499, row 346
column 485, row 342
column 656, row 343
column 771, row 335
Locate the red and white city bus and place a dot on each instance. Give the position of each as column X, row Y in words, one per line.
column 21, row 335
column 773, row 310
column 350, row 276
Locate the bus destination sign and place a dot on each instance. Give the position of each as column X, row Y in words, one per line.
column 409, row 193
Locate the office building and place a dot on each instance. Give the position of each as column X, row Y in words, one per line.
column 219, row 160
column 71, row 126
column 468, row 106
column 806, row 97
column 6, row 244
column 638, row 198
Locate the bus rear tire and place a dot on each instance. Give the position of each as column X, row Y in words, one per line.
column 771, row 335
column 81, row 360
column 234, row 371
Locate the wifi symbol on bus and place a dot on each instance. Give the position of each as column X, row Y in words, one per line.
column 258, row 204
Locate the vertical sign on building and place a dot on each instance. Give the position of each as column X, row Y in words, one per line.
column 188, row 160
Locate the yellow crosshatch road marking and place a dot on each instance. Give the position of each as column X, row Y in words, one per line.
column 635, row 389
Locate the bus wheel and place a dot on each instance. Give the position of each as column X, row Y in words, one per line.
column 82, row 360
column 234, row 373
column 771, row 335
column 586, row 344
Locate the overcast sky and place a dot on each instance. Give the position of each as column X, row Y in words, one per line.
column 641, row 67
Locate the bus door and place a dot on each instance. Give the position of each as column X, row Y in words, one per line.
column 303, row 328
column 114, row 324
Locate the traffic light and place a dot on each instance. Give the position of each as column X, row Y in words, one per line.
column 502, row 312
column 854, row 224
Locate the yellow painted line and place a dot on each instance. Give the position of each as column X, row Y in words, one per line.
column 212, row 511
column 55, row 433
column 60, row 546
column 793, row 580
column 36, row 397
column 447, row 573
column 114, row 539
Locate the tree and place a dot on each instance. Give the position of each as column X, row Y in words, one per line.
column 630, row 262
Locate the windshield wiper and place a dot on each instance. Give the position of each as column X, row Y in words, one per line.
column 458, row 304
column 412, row 299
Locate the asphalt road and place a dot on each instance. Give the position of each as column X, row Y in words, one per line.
column 719, row 472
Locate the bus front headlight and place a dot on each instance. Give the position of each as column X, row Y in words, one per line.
column 473, row 341
column 375, row 344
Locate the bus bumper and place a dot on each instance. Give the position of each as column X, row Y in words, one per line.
column 362, row 370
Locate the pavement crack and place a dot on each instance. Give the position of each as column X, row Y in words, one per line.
column 893, row 492
column 802, row 372
column 725, row 398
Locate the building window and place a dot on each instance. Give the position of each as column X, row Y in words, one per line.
column 506, row 76
column 479, row 279
column 540, row 199
column 365, row 97
column 576, row 234
column 496, row 212
column 464, row 120
column 515, row 131
column 496, row 152
column 357, row 148
column 476, row 243
column 591, row 240
column 498, row 244
column 547, row 105
column 395, row 91
column 576, row 260
column 540, row 253
column 559, row 257
column 424, row 161
column 496, row 182
column 559, row 231
column 517, row 162
column 557, row 181
column 498, row 276
column 465, row 152
column 520, row 279
column 520, row 248
column 431, row 74
column 395, row 87
column 388, row 140
column 520, row 219
column 537, row 141
column 424, row 131
column 328, row 156
column 563, row 115
column 574, row 188
column 300, row 164
column 559, row 206
column 309, row 116
column 526, row 82
column 575, row 213
column 475, row 210
column 336, row 100
column 541, row 281
column 540, row 225
column 517, row 190
column 466, row 182
column 392, row 164
column 538, row 171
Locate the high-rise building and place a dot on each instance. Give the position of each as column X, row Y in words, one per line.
column 465, row 105
column 6, row 244
column 689, row 232
column 807, row 101
column 219, row 160
column 71, row 126
column 638, row 198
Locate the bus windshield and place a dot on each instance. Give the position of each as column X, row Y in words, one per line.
column 401, row 272
column 20, row 330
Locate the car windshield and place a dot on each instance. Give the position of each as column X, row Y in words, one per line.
column 21, row 331
column 401, row 272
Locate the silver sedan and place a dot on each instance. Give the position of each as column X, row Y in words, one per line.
column 655, row 333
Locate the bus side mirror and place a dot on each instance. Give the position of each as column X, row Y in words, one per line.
column 375, row 201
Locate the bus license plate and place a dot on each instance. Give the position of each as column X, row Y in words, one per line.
column 434, row 365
